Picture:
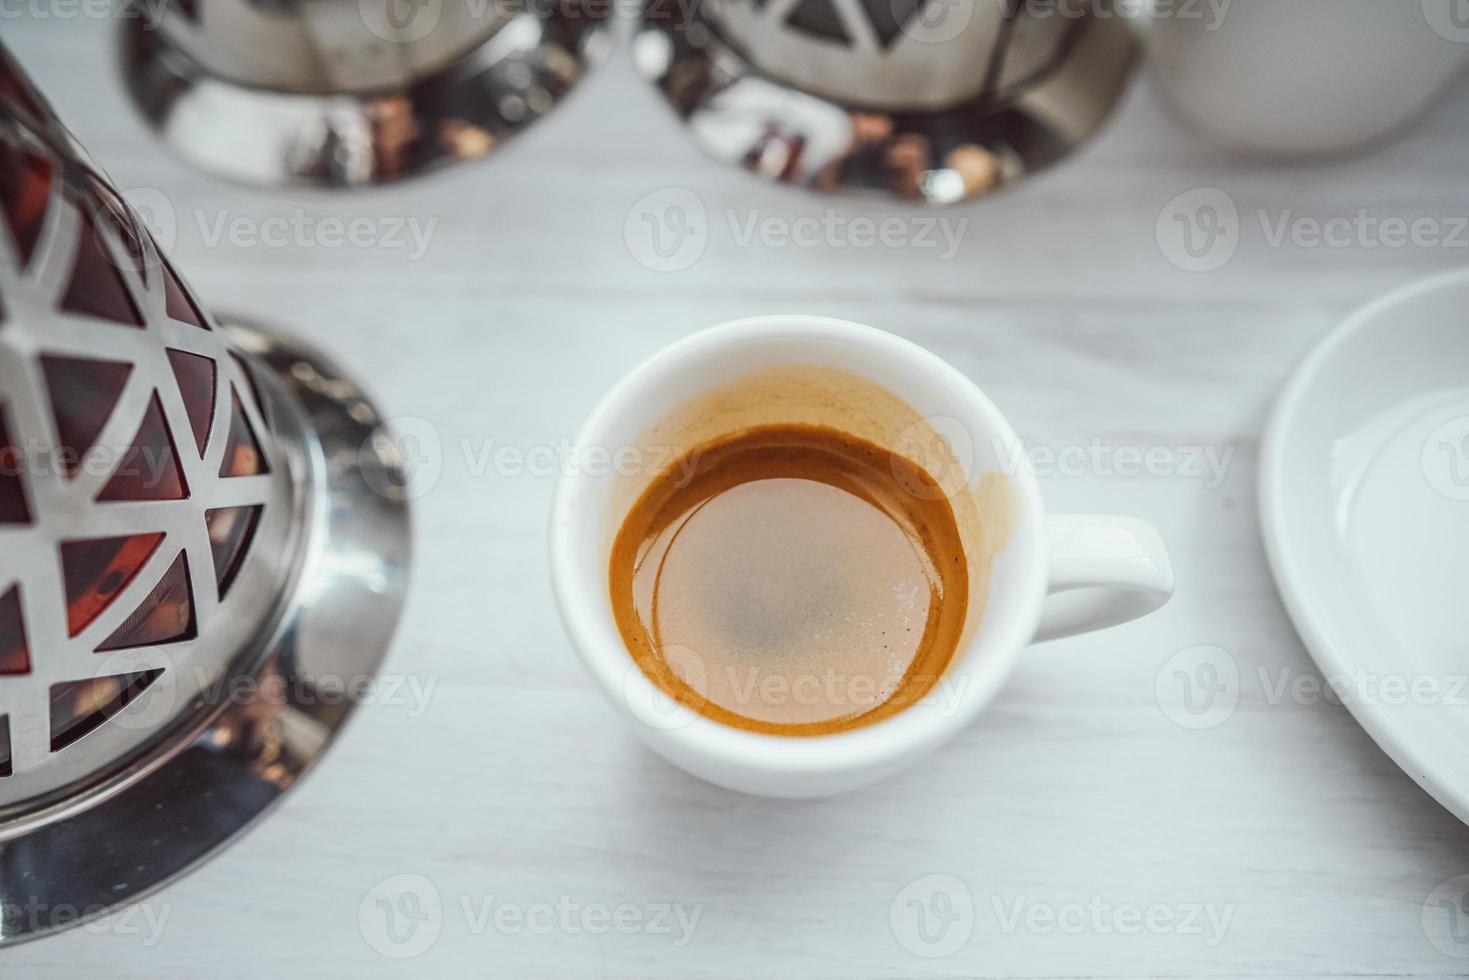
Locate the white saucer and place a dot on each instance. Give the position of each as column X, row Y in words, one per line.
column 1364, row 494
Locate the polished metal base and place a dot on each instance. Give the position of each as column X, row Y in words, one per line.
column 253, row 734
column 747, row 118
column 274, row 139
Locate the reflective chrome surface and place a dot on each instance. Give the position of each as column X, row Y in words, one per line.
column 926, row 100
column 353, row 99
column 248, row 737
column 61, row 362
column 203, row 547
column 325, row 47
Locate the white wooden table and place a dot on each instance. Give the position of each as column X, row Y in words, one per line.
column 1067, row 813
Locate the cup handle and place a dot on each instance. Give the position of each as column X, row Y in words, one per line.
column 1105, row 570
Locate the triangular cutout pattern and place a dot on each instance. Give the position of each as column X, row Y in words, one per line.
column 96, row 288
column 13, row 508
column 25, row 193
column 149, row 470
column 177, row 302
column 15, row 654
column 83, row 394
column 231, row 531
column 195, row 375
column 250, row 383
column 97, row 569
column 166, row 616
column 819, row 18
column 5, row 763
column 888, row 17
column 81, row 707
column 242, row 455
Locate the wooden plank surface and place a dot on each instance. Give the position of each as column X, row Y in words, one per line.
column 1075, row 801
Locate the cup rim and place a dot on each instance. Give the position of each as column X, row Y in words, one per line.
column 902, row 735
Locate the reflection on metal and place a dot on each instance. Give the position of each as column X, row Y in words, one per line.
column 926, row 100
column 200, row 546
column 344, row 93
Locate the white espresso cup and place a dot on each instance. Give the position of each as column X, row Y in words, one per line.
column 1032, row 575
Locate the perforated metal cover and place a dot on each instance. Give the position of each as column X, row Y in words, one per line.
column 899, row 54
column 145, row 520
column 203, row 543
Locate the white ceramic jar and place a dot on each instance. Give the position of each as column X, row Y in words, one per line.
column 1304, row 77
